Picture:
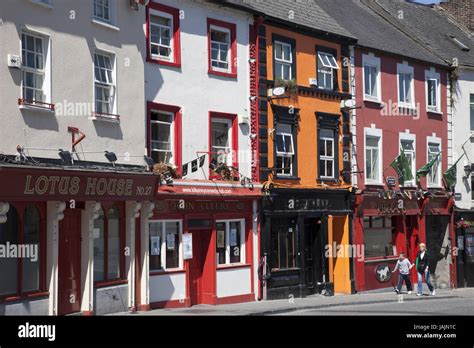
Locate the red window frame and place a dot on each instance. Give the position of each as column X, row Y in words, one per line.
column 19, row 294
column 233, row 47
column 235, row 137
column 176, row 110
column 122, row 277
column 174, row 12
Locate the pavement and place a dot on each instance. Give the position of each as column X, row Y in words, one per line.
column 445, row 302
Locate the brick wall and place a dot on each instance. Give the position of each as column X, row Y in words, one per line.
column 462, row 10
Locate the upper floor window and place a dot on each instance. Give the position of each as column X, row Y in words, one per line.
column 326, row 154
column 221, row 141
column 406, row 92
column 433, row 91
column 471, row 104
column 407, row 144
column 102, row 10
column 165, row 245
column 162, row 136
column 434, row 150
column 372, row 84
column 373, row 156
column 285, row 150
column 222, row 48
column 163, row 35
column 104, row 83
column 284, row 58
column 326, row 68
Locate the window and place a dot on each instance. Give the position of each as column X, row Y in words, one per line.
column 285, row 150
column 22, row 275
column 372, row 85
column 373, row 159
column 432, row 91
column 230, row 242
column 162, row 136
column 472, row 187
column 104, row 83
column 108, row 245
column 326, row 64
column 222, row 48
column 326, row 154
column 165, row 245
column 163, row 35
column 434, row 175
column 406, row 91
column 161, row 38
column 102, row 10
column 471, row 104
column 33, row 60
column 283, row 60
column 408, row 147
column 283, row 245
column 221, row 137
column 379, row 236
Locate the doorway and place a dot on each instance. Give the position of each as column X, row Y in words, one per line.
column 202, row 268
column 69, row 269
column 313, row 254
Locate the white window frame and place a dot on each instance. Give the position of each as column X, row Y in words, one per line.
column 230, row 59
column 163, row 244
column 434, row 140
column 171, row 18
column 113, row 86
column 327, row 69
column 285, row 154
column 327, row 158
column 45, row 72
column 407, row 137
column 111, row 9
column 227, row 240
column 406, row 69
column 374, row 133
column 282, row 61
column 172, row 135
column 229, row 157
column 373, row 62
column 433, row 75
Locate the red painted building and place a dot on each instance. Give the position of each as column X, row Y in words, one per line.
column 400, row 91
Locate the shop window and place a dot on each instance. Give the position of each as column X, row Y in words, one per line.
column 165, row 245
column 23, row 274
column 108, row 241
column 379, row 236
column 283, row 237
column 230, row 241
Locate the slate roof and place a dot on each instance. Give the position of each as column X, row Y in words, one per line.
column 307, row 14
column 432, row 27
column 375, row 31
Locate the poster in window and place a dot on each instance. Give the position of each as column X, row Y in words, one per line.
column 220, row 239
column 233, row 237
column 170, row 245
column 187, row 246
column 155, row 245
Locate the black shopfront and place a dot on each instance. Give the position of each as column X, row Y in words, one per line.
column 297, row 227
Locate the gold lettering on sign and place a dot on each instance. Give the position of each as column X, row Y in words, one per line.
column 53, row 180
column 41, row 185
column 101, row 187
column 128, row 187
column 28, row 189
column 75, row 181
column 90, row 188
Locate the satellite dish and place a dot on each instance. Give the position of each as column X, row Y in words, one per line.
column 278, row 91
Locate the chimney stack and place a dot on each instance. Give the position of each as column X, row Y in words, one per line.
column 461, row 10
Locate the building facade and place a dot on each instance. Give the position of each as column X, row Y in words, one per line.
column 72, row 92
column 199, row 124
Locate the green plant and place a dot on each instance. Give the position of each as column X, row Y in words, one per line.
column 290, row 85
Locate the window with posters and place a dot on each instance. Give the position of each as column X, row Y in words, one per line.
column 230, row 242
column 165, row 245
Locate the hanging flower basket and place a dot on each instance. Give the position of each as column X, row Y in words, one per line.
column 463, row 224
column 162, row 168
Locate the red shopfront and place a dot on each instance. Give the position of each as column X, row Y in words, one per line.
column 79, row 220
column 203, row 245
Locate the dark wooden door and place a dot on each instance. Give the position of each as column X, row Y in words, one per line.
column 69, row 270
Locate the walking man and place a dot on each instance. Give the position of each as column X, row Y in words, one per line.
column 422, row 268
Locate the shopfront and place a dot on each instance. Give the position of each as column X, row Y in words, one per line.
column 306, row 242
column 66, row 238
column 203, row 244
column 464, row 233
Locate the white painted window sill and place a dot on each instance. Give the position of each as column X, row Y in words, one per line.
column 42, row 4
column 373, row 100
column 37, row 109
column 99, row 118
column 104, row 24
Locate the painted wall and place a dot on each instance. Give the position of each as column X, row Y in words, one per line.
column 194, row 90
column 111, row 299
column 233, row 282
column 74, row 37
column 461, row 133
column 423, row 126
column 307, row 144
column 167, row 287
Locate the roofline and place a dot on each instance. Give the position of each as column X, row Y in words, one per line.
column 302, row 28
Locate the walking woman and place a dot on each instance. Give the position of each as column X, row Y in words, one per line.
column 423, row 269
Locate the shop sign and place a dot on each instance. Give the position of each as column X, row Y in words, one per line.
column 391, row 207
column 185, row 205
column 383, row 273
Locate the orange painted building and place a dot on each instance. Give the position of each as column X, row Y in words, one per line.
column 304, row 139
